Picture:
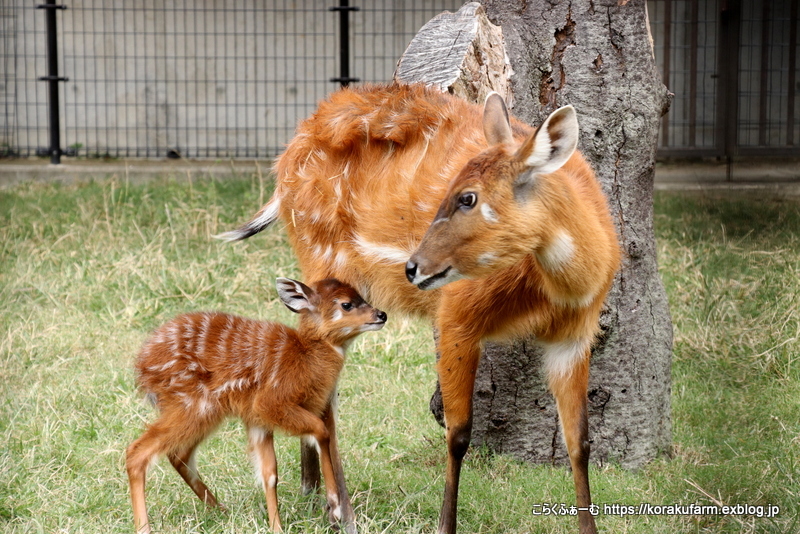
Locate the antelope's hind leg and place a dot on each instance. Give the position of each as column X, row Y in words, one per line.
column 184, row 463
column 138, row 457
column 177, row 436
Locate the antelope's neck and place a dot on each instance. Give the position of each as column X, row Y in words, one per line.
column 328, row 346
column 576, row 251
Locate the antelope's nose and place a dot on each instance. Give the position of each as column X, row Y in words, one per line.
column 411, row 271
column 382, row 316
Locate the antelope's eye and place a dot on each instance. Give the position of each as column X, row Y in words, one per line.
column 467, row 200
column 347, row 306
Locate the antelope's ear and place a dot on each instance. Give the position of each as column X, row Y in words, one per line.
column 296, row 295
column 552, row 144
column 496, row 125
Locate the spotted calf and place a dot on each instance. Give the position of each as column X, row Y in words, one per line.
column 202, row 367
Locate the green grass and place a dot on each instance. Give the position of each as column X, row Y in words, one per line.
column 88, row 269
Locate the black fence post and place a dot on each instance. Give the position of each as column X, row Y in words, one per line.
column 728, row 81
column 344, row 8
column 52, row 79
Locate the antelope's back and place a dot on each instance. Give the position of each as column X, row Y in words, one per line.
column 362, row 180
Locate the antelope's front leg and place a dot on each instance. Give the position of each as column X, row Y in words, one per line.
column 263, row 450
column 569, row 385
column 457, row 367
column 346, row 516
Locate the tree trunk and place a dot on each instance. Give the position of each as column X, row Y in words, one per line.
column 597, row 56
column 460, row 53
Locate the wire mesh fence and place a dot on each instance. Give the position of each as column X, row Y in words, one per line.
column 196, row 79
column 231, row 79
column 733, row 66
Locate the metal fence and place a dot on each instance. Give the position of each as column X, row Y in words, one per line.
column 230, row 79
column 733, row 66
column 180, row 78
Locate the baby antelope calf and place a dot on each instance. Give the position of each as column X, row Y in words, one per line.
column 202, row 367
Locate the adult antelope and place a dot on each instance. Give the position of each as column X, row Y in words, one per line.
column 504, row 227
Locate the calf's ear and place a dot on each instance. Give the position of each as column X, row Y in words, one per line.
column 295, row 295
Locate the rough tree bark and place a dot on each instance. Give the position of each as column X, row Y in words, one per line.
column 597, row 56
column 461, row 53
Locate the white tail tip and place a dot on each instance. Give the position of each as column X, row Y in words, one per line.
column 231, row 236
column 266, row 216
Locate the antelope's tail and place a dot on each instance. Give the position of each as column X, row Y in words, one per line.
column 265, row 216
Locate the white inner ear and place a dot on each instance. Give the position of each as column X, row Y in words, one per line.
column 541, row 150
column 554, row 141
column 293, row 295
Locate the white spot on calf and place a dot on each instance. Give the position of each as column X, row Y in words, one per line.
column 560, row 251
column 187, row 401
column 231, row 385
column 273, row 377
column 188, row 332
column 272, row 482
column 205, row 323
column 164, row 367
column 333, row 501
column 256, row 435
column 204, row 406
